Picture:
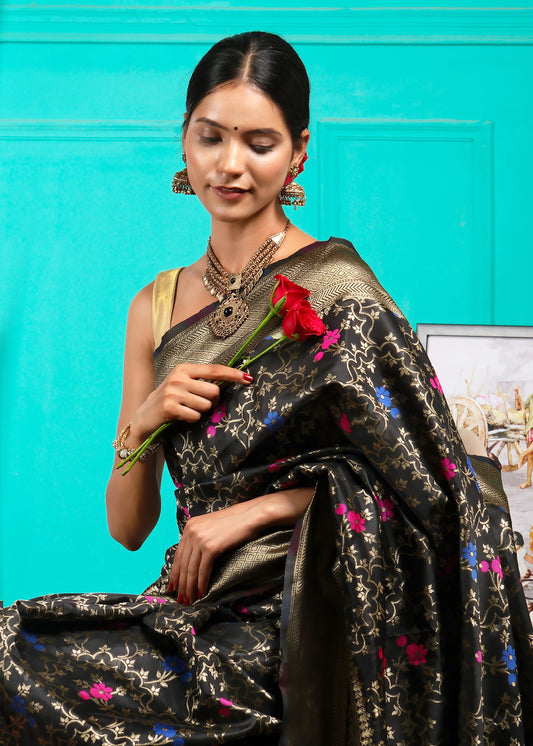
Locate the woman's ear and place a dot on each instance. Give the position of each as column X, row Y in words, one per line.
column 184, row 130
column 301, row 146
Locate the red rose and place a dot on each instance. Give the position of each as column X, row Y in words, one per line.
column 302, row 322
column 292, row 292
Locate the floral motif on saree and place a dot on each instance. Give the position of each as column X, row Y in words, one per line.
column 391, row 614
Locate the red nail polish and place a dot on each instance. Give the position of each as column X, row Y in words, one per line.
column 186, row 601
column 171, row 586
column 200, row 595
column 180, row 598
column 248, row 378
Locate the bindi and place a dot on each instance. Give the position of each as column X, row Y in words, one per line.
column 235, row 128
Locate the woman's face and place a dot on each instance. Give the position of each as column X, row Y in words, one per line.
column 238, row 151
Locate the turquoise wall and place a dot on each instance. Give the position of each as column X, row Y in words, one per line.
column 421, row 154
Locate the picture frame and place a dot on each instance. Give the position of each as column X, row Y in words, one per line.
column 486, row 373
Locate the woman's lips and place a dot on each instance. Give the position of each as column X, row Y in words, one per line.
column 229, row 193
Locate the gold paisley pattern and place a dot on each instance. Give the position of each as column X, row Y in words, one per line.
column 392, row 614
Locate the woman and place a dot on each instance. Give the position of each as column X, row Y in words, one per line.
column 339, row 577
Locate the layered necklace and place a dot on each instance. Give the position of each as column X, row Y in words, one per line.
column 232, row 289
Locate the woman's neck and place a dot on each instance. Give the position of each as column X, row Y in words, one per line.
column 235, row 243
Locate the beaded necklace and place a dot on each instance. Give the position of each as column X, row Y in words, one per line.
column 232, row 289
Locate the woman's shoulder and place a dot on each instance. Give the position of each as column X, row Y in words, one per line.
column 332, row 270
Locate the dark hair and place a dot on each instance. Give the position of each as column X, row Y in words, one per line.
column 266, row 61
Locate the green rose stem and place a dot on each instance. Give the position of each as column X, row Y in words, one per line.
column 135, row 455
column 246, row 363
column 274, row 311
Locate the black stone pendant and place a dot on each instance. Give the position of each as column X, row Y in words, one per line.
column 229, row 316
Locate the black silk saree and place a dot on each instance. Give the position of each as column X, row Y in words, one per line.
column 391, row 614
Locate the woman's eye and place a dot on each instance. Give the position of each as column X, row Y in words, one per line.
column 261, row 148
column 209, row 140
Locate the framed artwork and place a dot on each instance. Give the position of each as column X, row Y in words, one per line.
column 486, row 373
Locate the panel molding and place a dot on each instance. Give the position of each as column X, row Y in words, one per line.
column 119, row 129
column 332, row 132
column 186, row 25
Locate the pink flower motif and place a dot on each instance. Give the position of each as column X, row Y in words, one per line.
column 356, row 522
column 401, row 641
column 496, row 566
column 211, row 431
column 101, row 691
column 479, row 656
column 177, row 484
column 156, row 600
column 84, row 695
column 448, row 469
column 330, row 338
column 344, row 424
column 185, row 510
column 218, row 413
column 319, row 355
column 275, row 466
column 381, row 655
column 436, row 384
column 386, row 507
column 193, row 631
column 290, row 482
column 416, row 653
column 340, row 509
column 226, row 704
column 484, row 566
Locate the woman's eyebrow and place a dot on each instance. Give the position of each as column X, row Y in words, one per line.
column 257, row 131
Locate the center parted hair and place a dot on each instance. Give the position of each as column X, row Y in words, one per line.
column 263, row 60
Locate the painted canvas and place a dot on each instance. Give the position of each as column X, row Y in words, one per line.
column 486, row 373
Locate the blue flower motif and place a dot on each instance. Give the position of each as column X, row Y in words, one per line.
column 164, row 730
column 470, row 554
column 32, row 639
column 383, row 395
column 273, row 419
column 473, row 472
column 18, row 705
column 178, row 741
column 509, row 658
column 174, row 663
column 512, row 678
column 395, row 412
column 32, row 723
column 177, row 665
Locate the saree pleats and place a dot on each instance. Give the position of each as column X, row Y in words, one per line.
column 391, row 614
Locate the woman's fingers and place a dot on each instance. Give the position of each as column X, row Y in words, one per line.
column 216, row 372
column 204, row 574
column 193, row 559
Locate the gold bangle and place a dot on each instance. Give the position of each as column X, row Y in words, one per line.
column 120, row 440
column 119, row 444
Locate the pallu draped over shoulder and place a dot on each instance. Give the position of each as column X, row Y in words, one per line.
column 391, row 614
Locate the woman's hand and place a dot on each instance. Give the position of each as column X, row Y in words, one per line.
column 186, row 393
column 207, row 536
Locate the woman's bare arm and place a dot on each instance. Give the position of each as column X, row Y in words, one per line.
column 133, row 501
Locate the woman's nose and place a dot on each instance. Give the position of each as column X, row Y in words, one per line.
column 231, row 159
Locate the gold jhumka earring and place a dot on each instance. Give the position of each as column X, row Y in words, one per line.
column 292, row 193
column 180, row 182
